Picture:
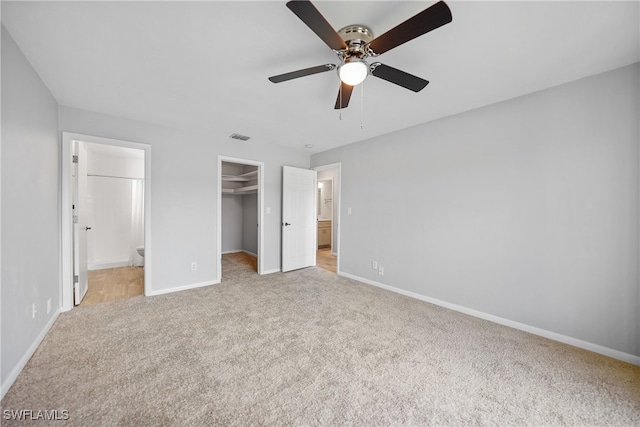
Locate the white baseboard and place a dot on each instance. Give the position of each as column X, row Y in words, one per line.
column 109, row 262
column 275, row 270
column 181, row 288
column 102, row 266
column 13, row 375
column 596, row 348
column 236, row 251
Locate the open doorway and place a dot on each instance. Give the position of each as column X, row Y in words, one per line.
column 114, row 214
column 328, row 217
column 105, row 219
column 239, row 216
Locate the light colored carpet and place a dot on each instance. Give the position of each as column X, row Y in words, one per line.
column 311, row 348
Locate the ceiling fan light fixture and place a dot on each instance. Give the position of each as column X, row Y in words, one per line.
column 353, row 71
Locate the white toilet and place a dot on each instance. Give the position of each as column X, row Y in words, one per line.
column 140, row 250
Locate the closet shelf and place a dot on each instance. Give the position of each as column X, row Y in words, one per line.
column 234, row 178
column 241, row 178
column 245, row 190
column 245, row 182
column 249, row 189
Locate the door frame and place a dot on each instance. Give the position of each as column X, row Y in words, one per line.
column 338, row 250
column 332, row 205
column 332, row 246
column 260, row 218
column 66, row 214
column 79, row 185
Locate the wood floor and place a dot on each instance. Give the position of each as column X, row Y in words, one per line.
column 325, row 260
column 112, row 284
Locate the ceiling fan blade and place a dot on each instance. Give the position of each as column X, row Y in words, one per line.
column 344, row 94
column 398, row 77
column 429, row 19
column 301, row 73
column 308, row 13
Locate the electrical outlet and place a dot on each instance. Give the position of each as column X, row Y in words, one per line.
column 34, row 310
column 49, row 306
column 268, row 210
column 348, row 211
column 194, row 266
column 381, row 271
column 374, row 265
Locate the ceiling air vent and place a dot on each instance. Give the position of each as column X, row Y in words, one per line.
column 238, row 136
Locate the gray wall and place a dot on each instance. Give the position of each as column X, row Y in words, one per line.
column 250, row 223
column 239, row 223
column 30, row 220
column 231, row 223
column 183, row 192
column 526, row 210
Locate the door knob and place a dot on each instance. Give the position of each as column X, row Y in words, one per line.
column 87, row 228
column 286, row 223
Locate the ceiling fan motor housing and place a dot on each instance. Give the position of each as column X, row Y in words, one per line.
column 357, row 38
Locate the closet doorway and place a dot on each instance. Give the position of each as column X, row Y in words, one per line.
column 240, row 193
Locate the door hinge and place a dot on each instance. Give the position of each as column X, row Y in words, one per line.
column 75, row 159
column 75, row 219
column 75, row 278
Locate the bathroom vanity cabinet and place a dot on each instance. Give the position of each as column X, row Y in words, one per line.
column 324, row 233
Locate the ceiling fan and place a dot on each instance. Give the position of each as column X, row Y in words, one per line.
column 355, row 43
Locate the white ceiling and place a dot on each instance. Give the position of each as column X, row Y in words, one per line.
column 204, row 65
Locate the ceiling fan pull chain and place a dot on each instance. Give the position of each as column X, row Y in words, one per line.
column 362, row 105
column 340, row 113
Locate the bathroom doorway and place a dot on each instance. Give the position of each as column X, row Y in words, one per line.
column 328, row 217
column 115, row 215
column 105, row 219
column 240, row 201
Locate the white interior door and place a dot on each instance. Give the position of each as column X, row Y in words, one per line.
column 298, row 218
column 80, row 228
